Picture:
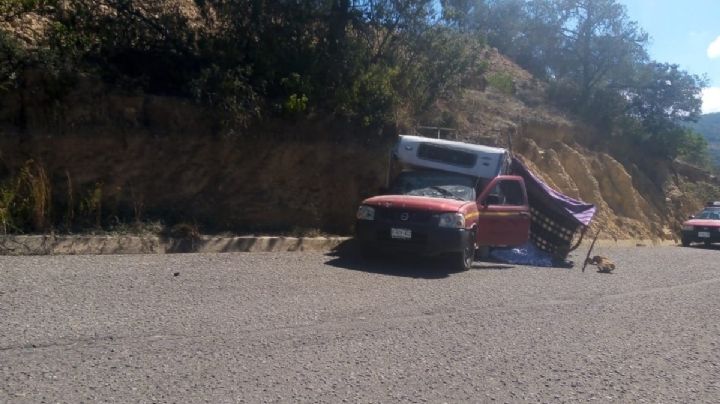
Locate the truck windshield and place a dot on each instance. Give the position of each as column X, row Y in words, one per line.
column 436, row 184
column 709, row 214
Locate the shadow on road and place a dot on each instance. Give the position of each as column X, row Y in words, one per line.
column 715, row 246
column 490, row 266
column 347, row 256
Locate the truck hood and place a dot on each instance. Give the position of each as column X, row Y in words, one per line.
column 702, row 222
column 416, row 203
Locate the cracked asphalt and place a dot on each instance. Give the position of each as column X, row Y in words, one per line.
column 309, row 327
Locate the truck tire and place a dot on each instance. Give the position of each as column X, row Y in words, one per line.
column 463, row 260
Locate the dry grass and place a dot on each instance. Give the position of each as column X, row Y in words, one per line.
column 40, row 191
column 91, row 204
column 70, row 212
column 26, row 199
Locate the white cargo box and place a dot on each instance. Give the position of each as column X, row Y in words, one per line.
column 458, row 157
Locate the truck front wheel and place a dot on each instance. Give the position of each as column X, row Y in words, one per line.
column 463, row 260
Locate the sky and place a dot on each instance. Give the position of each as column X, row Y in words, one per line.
column 685, row 32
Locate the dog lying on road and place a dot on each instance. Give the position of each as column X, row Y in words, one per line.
column 603, row 264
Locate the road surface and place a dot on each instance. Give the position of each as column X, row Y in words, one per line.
column 310, row 327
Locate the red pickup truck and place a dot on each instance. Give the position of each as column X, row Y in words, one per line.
column 449, row 198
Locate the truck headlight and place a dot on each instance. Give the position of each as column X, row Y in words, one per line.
column 365, row 212
column 687, row 227
column 452, row 220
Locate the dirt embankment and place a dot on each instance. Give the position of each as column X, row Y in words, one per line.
column 632, row 203
column 145, row 157
column 127, row 157
column 218, row 184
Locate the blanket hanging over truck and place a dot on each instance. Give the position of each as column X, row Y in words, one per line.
column 556, row 217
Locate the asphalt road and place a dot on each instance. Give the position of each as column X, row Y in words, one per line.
column 309, row 327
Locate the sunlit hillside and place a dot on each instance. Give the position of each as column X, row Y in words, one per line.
column 257, row 116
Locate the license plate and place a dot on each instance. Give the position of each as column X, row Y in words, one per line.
column 403, row 234
column 704, row 234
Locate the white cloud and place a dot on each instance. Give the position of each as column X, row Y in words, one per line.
column 713, row 51
column 711, row 100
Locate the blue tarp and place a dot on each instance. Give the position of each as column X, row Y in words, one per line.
column 526, row 254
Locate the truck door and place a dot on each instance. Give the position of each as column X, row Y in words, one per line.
column 504, row 213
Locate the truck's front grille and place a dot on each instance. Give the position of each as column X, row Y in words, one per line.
column 403, row 216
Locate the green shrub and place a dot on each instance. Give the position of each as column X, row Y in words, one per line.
column 230, row 92
column 502, row 82
column 296, row 104
column 371, row 98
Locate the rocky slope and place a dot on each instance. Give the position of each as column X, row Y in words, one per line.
column 638, row 196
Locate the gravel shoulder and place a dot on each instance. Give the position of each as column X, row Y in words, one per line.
column 313, row 327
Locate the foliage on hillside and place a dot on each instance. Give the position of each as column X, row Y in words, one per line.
column 595, row 60
column 254, row 60
column 368, row 62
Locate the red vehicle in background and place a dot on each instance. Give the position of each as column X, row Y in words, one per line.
column 703, row 227
column 449, row 198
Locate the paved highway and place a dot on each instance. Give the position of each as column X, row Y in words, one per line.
column 309, row 327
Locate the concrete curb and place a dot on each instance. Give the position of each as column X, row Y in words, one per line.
column 99, row 245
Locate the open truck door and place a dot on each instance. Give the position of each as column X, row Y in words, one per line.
column 503, row 213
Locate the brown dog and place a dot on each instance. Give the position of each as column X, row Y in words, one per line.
column 603, row 264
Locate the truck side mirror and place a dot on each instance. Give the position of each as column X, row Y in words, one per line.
column 691, row 217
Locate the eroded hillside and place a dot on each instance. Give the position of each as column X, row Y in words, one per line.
column 112, row 157
column 637, row 195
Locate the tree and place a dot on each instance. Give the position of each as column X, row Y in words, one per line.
column 509, row 26
column 662, row 94
column 599, row 45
